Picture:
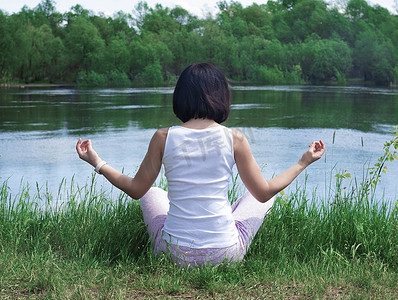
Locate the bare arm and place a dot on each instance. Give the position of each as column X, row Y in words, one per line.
column 252, row 177
column 147, row 173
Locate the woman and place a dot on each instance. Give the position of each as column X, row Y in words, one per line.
column 194, row 220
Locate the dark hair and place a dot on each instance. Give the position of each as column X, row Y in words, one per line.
column 202, row 92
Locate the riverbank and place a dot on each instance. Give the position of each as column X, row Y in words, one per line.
column 86, row 243
column 37, row 85
column 349, row 82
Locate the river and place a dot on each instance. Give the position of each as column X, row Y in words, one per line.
column 39, row 129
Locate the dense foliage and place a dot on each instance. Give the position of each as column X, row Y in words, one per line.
column 279, row 42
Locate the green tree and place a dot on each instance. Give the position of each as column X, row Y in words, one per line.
column 156, row 19
column 117, row 54
column 280, row 40
column 43, row 55
column 105, row 29
column 77, row 11
column 122, row 23
column 184, row 19
column 219, row 48
column 269, row 53
column 5, row 47
column 19, row 46
column 84, row 44
column 152, row 75
column 258, row 18
column 141, row 55
column 308, row 17
column 340, row 27
column 358, row 9
column 375, row 58
column 390, row 29
column 186, row 47
column 230, row 19
column 323, row 60
column 49, row 15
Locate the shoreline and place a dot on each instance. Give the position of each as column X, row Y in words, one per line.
column 73, row 85
column 34, row 85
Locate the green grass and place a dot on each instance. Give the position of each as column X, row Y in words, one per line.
column 93, row 244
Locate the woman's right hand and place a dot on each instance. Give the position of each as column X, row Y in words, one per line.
column 87, row 153
column 315, row 152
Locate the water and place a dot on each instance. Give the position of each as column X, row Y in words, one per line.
column 39, row 129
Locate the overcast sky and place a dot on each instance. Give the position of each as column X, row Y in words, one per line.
column 197, row 7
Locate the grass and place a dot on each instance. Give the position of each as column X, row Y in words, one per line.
column 95, row 245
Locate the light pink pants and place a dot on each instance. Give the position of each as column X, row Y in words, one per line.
column 247, row 212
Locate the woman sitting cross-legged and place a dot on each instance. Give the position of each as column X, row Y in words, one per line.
column 194, row 220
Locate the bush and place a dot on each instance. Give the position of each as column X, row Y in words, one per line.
column 293, row 76
column 152, row 75
column 265, row 75
column 324, row 60
column 111, row 79
column 118, row 79
column 91, row 79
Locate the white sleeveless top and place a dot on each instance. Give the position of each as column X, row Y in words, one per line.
column 198, row 166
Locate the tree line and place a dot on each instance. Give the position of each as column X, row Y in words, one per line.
column 283, row 41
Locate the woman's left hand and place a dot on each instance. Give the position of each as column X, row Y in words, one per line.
column 315, row 152
column 87, row 153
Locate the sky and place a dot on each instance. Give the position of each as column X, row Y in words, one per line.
column 199, row 8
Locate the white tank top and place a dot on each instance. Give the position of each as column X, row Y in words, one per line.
column 198, row 166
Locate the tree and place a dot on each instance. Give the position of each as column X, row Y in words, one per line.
column 104, row 27
column 258, row 17
column 43, row 55
column 217, row 45
column 323, row 60
column 308, row 17
column 184, row 18
column 281, row 40
column 390, row 29
column 157, row 19
column 122, row 22
column 117, row 54
column 358, row 9
column 375, row 58
column 5, row 46
column 76, row 12
column 340, row 27
column 49, row 15
column 84, row 44
column 141, row 54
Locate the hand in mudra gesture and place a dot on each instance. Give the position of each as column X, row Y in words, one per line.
column 87, row 153
column 315, row 152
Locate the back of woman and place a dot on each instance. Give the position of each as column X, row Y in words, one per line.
column 198, row 166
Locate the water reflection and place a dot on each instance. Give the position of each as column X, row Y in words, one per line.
column 360, row 108
column 39, row 128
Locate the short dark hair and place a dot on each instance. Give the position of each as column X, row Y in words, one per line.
column 202, row 92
